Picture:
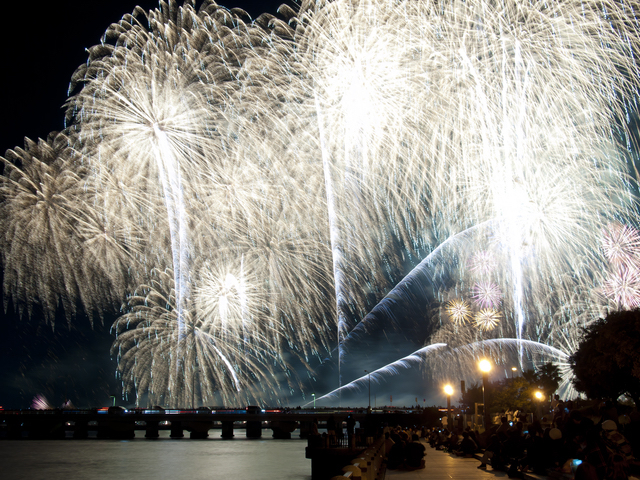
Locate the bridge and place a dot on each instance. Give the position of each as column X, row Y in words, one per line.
column 121, row 423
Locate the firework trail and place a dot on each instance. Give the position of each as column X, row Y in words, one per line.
column 503, row 351
column 417, row 358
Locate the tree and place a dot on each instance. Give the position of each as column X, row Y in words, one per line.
column 547, row 378
column 607, row 364
column 513, row 394
column 471, row 396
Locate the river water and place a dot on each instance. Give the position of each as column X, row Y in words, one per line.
column 163, row 458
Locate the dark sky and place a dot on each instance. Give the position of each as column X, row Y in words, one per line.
column 41, row 45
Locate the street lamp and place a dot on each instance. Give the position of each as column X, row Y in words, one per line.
column 314, row 400
column 485, row 368
column 513, row 371
column 539, row 396
column 369, row 374
column 448, row 390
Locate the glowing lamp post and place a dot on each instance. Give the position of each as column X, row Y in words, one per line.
column 448, row 390
column 513, row 371
column 369, row 375
column 314, row 400
column 539, row 397
column 485, row 368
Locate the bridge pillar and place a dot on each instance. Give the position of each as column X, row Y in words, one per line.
column 254, row 429
column 227, row 430
column 14, row 428
column 176, row 430
column 282, row 429
column 44, row 428
column 199, row 430
column 305, row 429
column 152, row 430
column 81, row 429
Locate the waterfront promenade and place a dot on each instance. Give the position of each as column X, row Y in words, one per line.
column 440, row 465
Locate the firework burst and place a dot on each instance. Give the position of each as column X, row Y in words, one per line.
column 487, row 319
column 459, row 311
column 56, row 248
column 210, row 362
column 482, row 262
column 621, row 244
column 486, row 294
column 623, row 287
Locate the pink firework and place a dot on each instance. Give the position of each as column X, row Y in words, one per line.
column 40, row 402
column 487, row 319
column 482, row 262
column 486, row 294
column 458, row 311
column 621, row 244
column 623, row 286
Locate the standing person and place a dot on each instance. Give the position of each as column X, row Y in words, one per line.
column 331, row 430
column 351, row 425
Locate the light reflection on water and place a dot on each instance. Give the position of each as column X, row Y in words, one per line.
column 162, row 458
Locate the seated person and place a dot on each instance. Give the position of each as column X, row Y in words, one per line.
column 467, row 446
column 493, row 455
column 414, row 453
column 396, row 455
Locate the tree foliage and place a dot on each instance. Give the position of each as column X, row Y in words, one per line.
column 515, row 393
column 607, row 364
column 471, row 396
column 546, row 378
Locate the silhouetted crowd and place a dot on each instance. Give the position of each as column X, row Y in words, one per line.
column 588, row 444
column 404, row 449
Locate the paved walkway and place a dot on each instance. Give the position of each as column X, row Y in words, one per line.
column 445, row 466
